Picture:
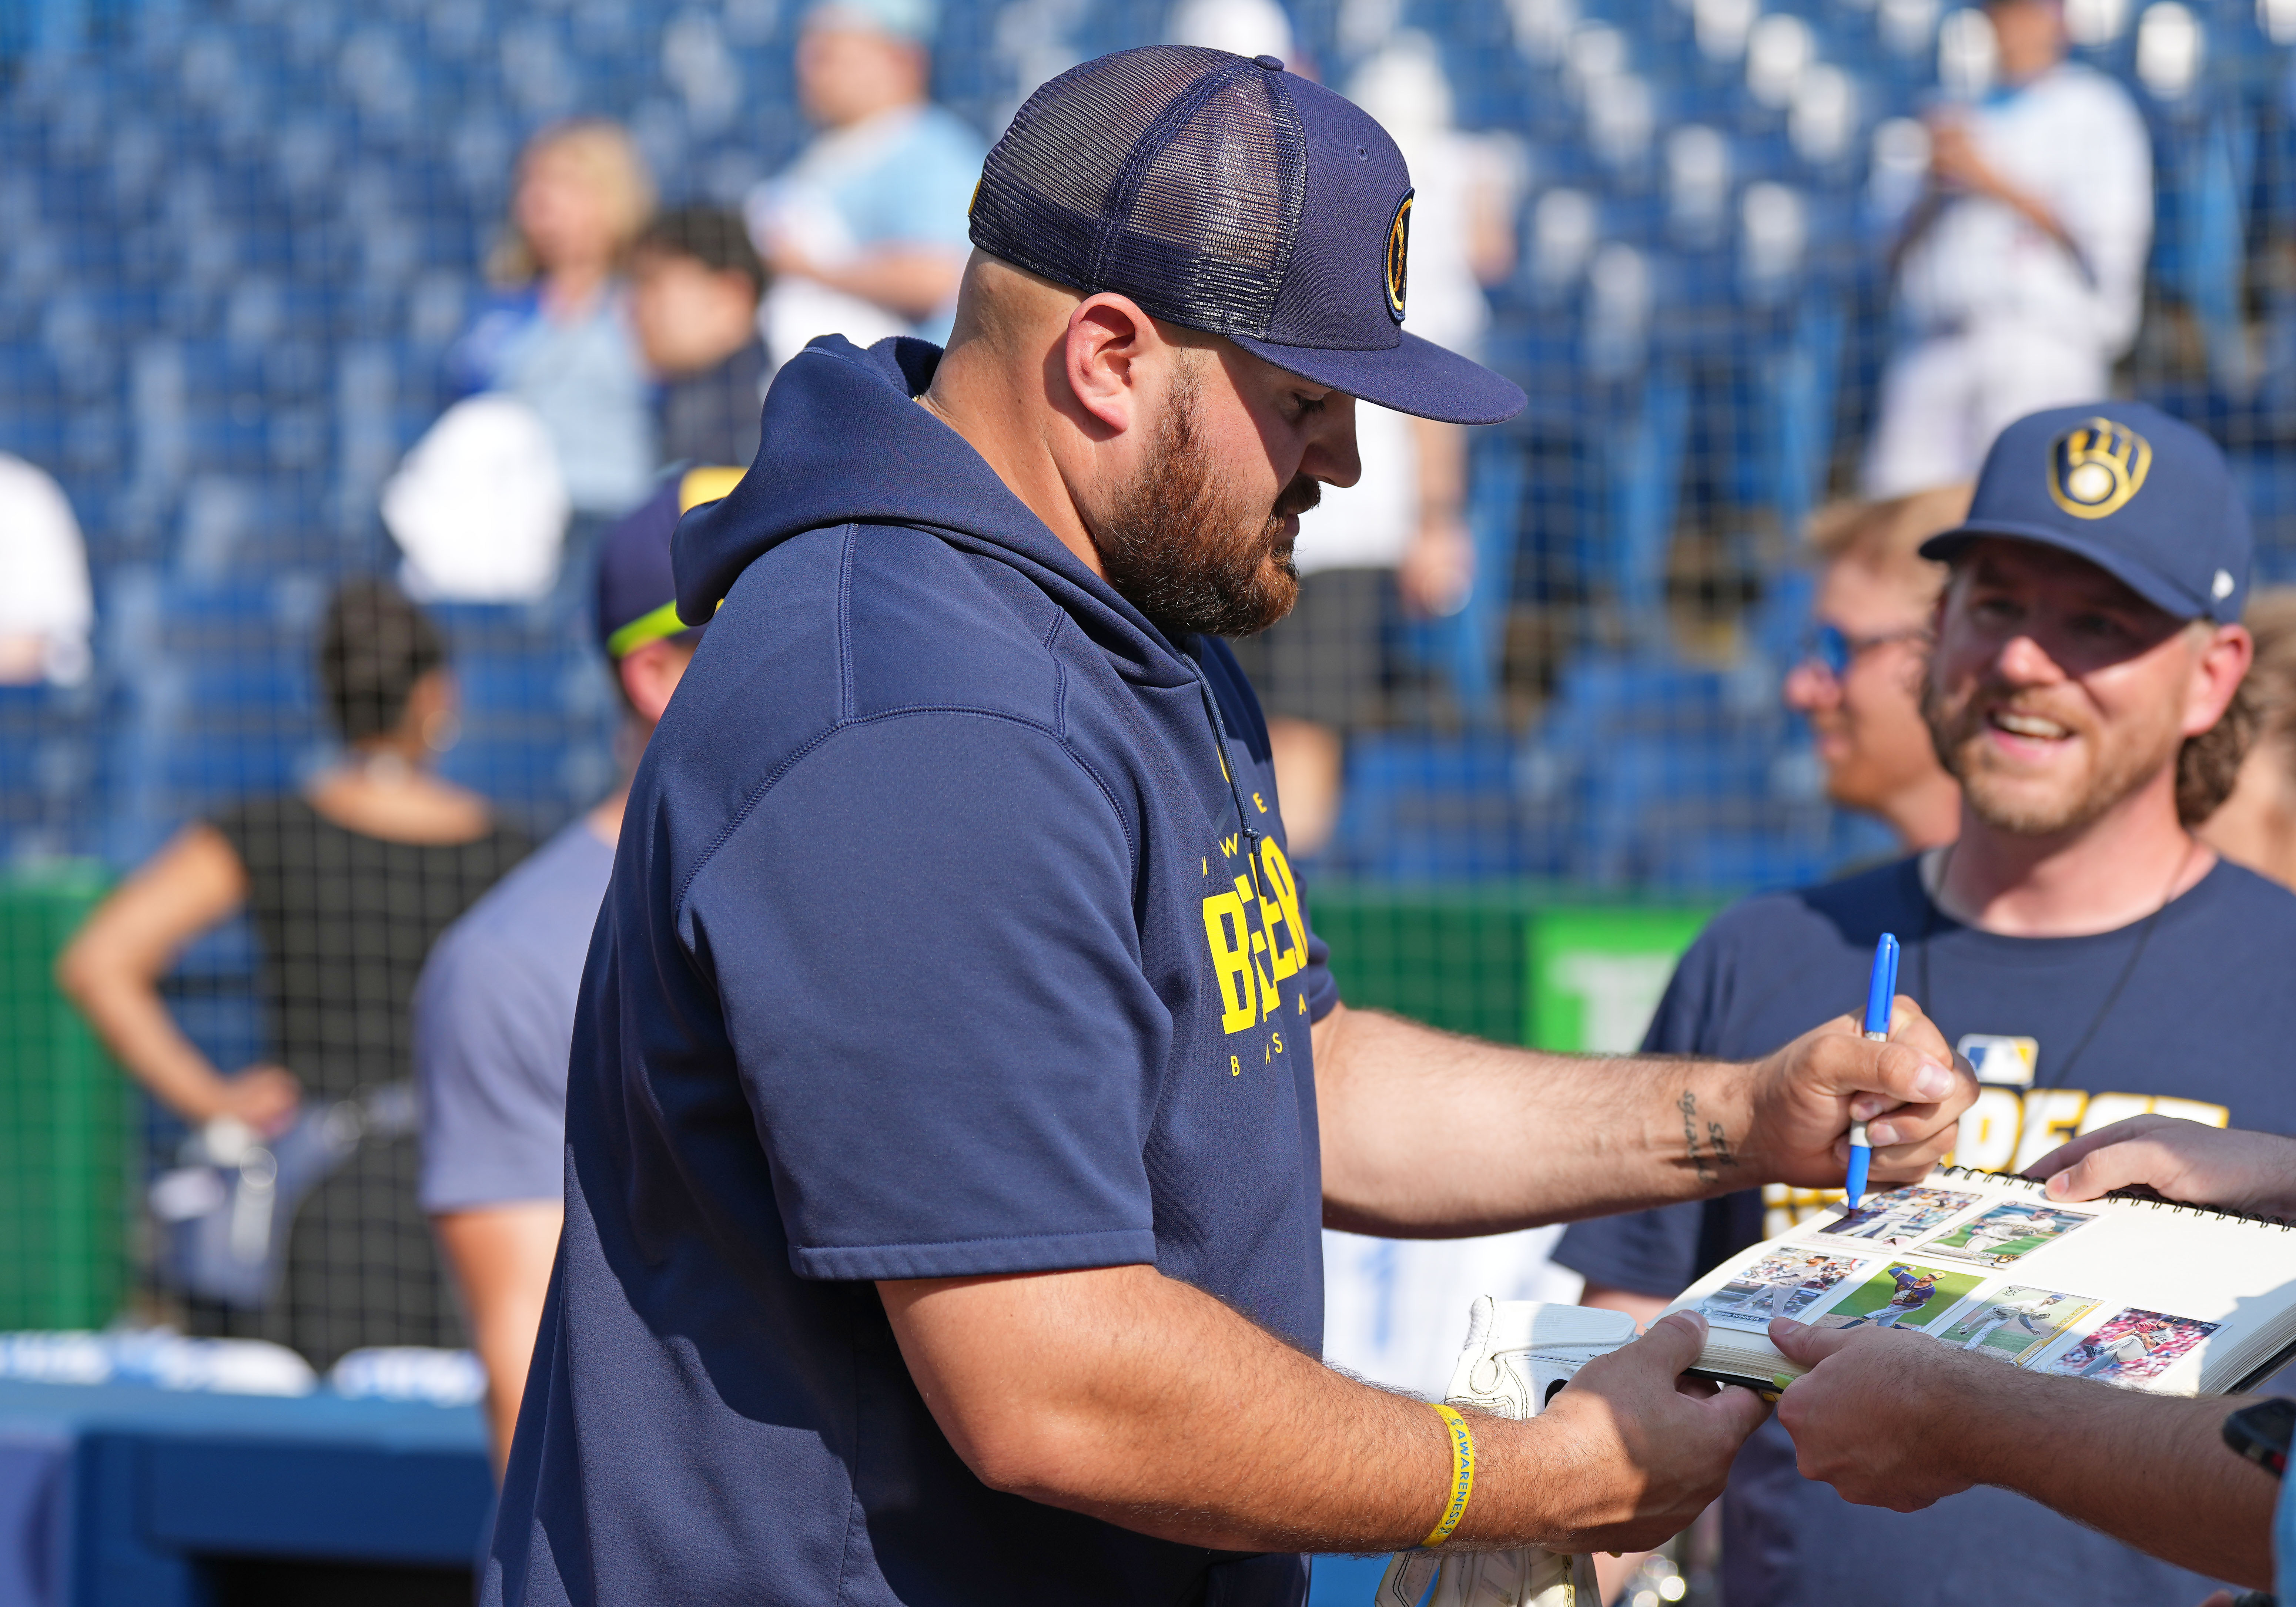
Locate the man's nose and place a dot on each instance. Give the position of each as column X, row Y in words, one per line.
column 2024, row 661
column 1810, row 689
column 1330, row 456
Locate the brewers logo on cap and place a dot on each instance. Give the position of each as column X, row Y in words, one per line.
column 2096, row 466
column 1398, row 253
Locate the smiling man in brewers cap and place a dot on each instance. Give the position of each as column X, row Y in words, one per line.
column 958, row 1087
column 2077, row 941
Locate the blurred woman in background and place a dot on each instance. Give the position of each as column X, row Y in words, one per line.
column 558, row 336
column 348, row 883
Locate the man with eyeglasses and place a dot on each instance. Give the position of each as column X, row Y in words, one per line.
column 1857, row 678
column 2074, row 938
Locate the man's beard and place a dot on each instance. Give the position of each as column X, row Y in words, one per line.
column 1958, row 734
column 1179, row 550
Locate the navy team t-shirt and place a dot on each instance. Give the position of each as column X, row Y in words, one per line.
column 2204, row 1027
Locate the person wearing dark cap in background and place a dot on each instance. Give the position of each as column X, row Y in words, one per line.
column 494, row 1010
column 957, row 1087
column 2080, row 944
column 694, row 283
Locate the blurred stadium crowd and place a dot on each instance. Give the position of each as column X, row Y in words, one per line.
column 244, row 241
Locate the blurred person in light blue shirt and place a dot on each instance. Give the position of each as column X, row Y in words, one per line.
column 866, row 230
column 557, row 335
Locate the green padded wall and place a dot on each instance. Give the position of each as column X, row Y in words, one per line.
column 63, row 1148
column 1517, row 964
column 1595, row 973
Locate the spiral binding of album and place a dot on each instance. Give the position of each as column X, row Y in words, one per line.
column 2139, row 1195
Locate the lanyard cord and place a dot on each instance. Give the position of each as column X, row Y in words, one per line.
column 1234, row 789
column 2056, row 1079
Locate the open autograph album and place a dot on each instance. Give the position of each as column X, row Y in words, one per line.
column 2145, row 1294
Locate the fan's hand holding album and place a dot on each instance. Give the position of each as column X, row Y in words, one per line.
column 2145, row 1294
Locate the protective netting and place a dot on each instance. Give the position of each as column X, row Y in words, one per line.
column 238, row 241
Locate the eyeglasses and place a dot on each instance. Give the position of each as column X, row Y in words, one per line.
column 1833, row 649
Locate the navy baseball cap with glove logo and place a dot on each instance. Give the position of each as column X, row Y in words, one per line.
column 2144, row 497
column 1226, row 195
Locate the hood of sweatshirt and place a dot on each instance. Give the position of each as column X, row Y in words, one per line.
column 845, row 442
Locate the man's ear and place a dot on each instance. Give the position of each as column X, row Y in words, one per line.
column 735, row 285
column 1938, row 611
column 650, row 674
column 2217, row 669
column 1108, row 336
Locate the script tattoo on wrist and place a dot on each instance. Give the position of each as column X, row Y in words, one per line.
column 1688, row 1105
column 1715, row 1151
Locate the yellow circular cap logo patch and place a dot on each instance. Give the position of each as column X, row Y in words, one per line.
column 2096, row 466
column 1398, row 257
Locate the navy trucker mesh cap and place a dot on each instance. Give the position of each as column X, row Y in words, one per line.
column 1226, row 195
column 2145, row 497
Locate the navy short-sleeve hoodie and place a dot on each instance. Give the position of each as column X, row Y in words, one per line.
column 950, row 934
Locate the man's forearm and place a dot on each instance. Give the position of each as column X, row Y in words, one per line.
column 1311, row 1457
column 2150, row 1471
column 1139, row 1399
column 913, row 280
column 1427, row 1134
column 1430, row 1135
column 501, row 1256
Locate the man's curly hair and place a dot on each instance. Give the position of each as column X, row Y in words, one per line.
column 2262, row 714
column 2208, row 765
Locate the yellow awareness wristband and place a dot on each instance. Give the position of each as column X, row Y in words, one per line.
column 1463, row 1475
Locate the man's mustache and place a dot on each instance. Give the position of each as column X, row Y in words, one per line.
column 1303, row 493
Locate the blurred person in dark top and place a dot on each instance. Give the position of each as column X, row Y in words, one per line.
column 349, row 882
column 2256, row 826
column 493, row 1013
column 557, row 335
column 695, row 281
column 866, row 231
column 1858, row 680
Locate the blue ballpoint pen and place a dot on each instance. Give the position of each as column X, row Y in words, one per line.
column 1879, row 993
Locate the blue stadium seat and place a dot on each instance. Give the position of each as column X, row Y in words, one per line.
column 538, row 712
column 1628, row 742
column 217, row 696
column 47, row 770
column 1429, row 809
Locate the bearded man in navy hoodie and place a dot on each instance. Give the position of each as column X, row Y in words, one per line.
column 958, row 1086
